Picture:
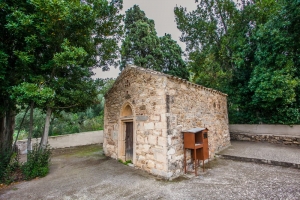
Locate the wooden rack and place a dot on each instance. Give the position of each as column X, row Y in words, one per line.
column 196, row 139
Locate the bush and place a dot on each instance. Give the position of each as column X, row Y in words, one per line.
column 9, row 166
column 38, row 161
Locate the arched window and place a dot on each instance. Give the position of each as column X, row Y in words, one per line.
column 127, row 111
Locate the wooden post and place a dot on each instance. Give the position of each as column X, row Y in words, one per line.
column 184, row 160
column 195, row 161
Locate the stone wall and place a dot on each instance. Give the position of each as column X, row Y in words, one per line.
column 69, row 140
column 144, row 92
column 275, row 139
column 269, row 129
column 277, row 134
column 189, row 106
column 162, row 106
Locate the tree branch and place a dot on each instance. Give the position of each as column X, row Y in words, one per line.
column 65, row 106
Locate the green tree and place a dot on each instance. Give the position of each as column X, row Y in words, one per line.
column 135, row 14
column 265, row 82
column 274, row 81
column 56, row 44
column 207, row 34
column 172, row 62
column 63, row 122
column 246, row 50
column 141, row 44
column 144, row 48
column 31, row 94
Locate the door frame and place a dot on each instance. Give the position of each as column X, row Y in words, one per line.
column 129, row 141
column 126, row 117
column 122, row 140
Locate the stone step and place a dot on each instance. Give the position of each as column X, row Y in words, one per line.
column 264, row 153
column 261, row 161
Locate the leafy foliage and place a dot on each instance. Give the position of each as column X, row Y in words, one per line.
column 28, row 92
column 206, row 32
column 247, row 49
column 37, row 165
column 172, row 62
column 68, row 122
column 8, row 166
column 141, row 44
column 144, row 48
column 38, row 161
column 48, row 50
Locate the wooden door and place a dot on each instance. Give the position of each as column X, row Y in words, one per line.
column 129, row 141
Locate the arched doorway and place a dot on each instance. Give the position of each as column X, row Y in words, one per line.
column 126, row 136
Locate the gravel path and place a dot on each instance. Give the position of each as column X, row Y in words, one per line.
column 84, row 173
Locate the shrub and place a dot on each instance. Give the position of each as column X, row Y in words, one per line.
column 9, row 166
column 38, row 161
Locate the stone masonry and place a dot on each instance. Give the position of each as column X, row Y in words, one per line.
column 270, row 133
column 275, row 139
column 161, row 107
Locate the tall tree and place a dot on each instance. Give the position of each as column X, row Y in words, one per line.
column 274, row 80
column 56, row 44
column 141, row 46
column 245, row 49
column 11, row 69
column 206, row 32
column 172, row 62
column 144, row 48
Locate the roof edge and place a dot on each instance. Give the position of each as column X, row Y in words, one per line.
column 129, row 67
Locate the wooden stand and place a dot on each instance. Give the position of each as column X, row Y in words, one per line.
column 196, row 139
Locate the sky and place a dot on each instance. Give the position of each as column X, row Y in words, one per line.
column 161, row 11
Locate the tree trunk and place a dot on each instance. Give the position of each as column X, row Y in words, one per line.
column 29, row 146
column 10, row 121
column 20, row 126
column 44, row 139
column 2, row 132
column 7, row 124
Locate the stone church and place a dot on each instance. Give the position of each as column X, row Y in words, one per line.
column 146, row 112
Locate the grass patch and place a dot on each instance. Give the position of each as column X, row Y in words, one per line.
column 125, row 162
column 89, row 151
column 93, row 150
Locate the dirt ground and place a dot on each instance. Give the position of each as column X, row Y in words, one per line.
column 84, row 173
